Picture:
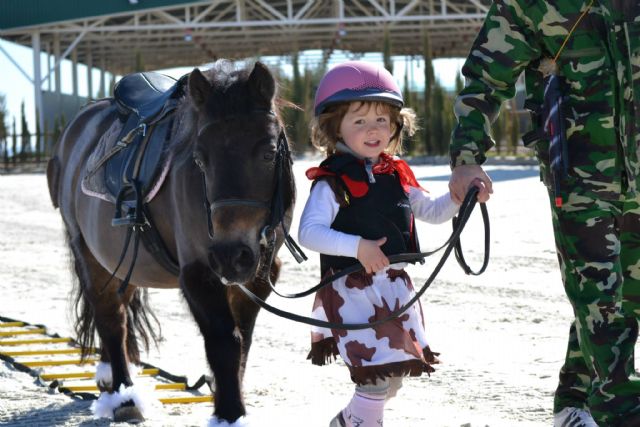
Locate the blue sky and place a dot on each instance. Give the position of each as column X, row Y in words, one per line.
column 16, row 88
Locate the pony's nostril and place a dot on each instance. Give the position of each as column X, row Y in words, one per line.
column 243, row 259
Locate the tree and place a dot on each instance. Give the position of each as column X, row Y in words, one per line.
column 386, row 51
column 429, row 81
column 39, row 138
column 14, row 143
column 58, row 126
column 499, row 128
column 138, row 66
column 437, row 128
column 25, row 142
column 3, row 128
column 297, row 96
column 459, row 82
column 514, row 134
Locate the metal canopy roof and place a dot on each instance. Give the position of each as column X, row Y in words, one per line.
column 112, row 34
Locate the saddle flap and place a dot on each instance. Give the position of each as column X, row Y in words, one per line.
column 141, row 160
column 144, row 94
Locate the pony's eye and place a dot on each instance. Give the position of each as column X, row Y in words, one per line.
column 269, row 156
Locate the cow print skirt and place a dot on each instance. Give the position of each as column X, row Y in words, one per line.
column 396, row 348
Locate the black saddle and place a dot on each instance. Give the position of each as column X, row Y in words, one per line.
column 145, row 94
column 145, row 102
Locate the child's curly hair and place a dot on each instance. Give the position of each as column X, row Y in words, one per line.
column 325, row 128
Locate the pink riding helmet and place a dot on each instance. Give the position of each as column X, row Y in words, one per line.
column 357, row 81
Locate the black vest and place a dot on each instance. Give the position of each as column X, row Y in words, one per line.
column 384, row 211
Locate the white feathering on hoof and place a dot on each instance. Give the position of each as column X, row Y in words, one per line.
column 217, row 422
column 104, row 375
column 142, row 397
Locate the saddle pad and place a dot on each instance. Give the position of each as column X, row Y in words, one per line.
column 94, row 174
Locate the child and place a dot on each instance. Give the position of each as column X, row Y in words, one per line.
column 361, row 208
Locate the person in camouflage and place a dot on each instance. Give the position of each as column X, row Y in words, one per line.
column 594, row 46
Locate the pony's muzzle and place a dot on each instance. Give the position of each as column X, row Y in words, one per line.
column 233, row 263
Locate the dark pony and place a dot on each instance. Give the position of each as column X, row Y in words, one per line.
column 227, row 163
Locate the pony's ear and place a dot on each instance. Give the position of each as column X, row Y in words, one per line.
column 199, row 87
column 262, row 83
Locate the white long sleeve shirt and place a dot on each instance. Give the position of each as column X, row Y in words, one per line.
column 316, row 234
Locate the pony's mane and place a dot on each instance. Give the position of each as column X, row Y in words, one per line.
column 230, row 96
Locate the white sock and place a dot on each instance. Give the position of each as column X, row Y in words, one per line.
column 364, row 410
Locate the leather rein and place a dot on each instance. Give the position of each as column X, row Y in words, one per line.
column 268, row 240
column 452, row 244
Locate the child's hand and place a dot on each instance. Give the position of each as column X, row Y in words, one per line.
column 371, row 256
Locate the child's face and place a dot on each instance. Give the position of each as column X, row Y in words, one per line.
column 366, row 129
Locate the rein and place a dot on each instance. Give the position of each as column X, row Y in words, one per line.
column 452, row 243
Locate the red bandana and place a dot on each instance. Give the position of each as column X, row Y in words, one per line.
column 386, row 165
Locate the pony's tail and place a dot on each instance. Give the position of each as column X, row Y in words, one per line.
column 143, row 326
column 84, row 325
column 53, row 179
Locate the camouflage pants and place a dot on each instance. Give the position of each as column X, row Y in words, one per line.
column 598, row 245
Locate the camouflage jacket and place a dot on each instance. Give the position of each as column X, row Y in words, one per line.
column 601, row 63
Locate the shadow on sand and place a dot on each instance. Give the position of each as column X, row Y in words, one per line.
column 56, row 415
column 496, row 174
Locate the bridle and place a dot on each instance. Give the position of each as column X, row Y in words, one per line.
column 275, row 206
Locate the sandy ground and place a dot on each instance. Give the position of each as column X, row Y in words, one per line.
column 501, row 335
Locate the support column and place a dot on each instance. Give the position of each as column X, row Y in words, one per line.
column 112, row 83
column 56, row 54
column 74, row 76
column 48, row 67
column 102, row 93
column 37, row 79
column 89, row 73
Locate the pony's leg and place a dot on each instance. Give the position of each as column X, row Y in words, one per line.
column 109, row 317
column 246, row 311
column 208, row 302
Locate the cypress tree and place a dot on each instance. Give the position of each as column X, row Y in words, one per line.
column 14, row 143
column 25, row 147
column 437, row 127
column 386, row 51
column 449, row 122
column 499, row 128
column 139, row 64
column 406, row 91
column 429, row 80
column 459, row 82
column 3, row 129
column 514, row 135
column 298, row 98
column 39, row 138
column 408, row 102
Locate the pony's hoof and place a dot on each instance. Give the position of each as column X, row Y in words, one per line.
column 127, row 413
